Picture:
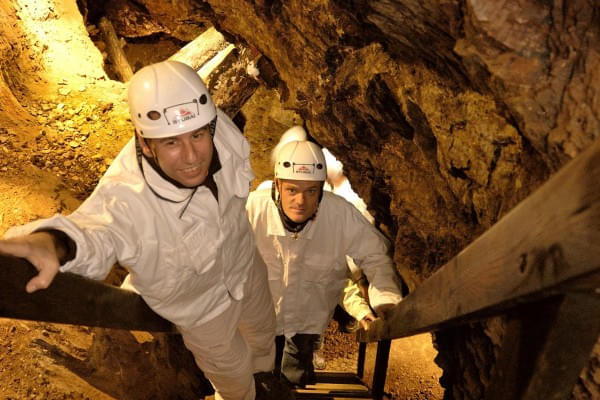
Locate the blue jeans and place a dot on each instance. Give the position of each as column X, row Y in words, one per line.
column 295, row 358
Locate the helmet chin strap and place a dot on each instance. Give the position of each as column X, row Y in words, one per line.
column 288, row 223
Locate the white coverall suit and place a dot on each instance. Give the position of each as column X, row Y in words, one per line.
column 353, row 302
column 307, row 271
column 191, row 258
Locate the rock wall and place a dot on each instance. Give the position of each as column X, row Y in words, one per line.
column 445, row 113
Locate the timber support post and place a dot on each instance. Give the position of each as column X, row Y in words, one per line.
column 545, row 347
column 380, row 372
column 116, row 55
column 360, row 362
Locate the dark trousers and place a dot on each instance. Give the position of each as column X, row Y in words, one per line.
column 294, row 358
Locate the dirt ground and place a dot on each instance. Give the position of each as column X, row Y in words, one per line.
column 57, row 136
column 412, row 373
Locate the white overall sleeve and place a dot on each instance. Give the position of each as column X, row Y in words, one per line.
column 370, row 251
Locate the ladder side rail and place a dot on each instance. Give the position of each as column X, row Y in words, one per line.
column 549, row 239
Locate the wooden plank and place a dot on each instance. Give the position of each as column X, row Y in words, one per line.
column 380, row 372
column 545, row 347
column 360, row 362
column 337, row 377
column 567, row 348
column 335, row 385
column 115, row 52
column 223, row 67
column 228, row 81
column 202, row 49
column 525, row 332
column 551, row 237
column 338, row 386
column 73, row 299
column 329, row 394
column 313, row 390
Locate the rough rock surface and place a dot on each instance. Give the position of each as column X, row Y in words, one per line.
column 445, row 114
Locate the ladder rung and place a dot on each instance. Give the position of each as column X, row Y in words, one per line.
column 337, row 377
column 332, row 396
column 338, row 386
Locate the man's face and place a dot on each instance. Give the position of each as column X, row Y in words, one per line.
column 299, row 199
column 185, row 158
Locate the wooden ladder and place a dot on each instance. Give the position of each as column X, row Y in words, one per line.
column 337, row 385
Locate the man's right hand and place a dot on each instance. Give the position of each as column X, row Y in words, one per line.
column 366, row 321
column 40, row 250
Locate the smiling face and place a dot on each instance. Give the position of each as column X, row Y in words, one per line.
column 299, row 199
column 184, row 158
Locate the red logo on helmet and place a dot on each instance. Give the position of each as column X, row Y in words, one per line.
column 303, row 169
column 182, row 114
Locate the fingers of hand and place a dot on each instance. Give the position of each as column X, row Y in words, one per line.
column 366, row 321
column 34, row 284
column 42, row 280
column 16, row 247
column 365, row 324
column 38, row 249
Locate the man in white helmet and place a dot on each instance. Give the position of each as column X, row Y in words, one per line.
column 304, row 235
column 170, row 209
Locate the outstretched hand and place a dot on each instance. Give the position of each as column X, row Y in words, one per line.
column 366, row 321
column 38, row 248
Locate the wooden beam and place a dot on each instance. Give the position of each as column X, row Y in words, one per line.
column 550, row 238
column 360, row 362
column 381, row 366
column 525, row 333
column 202, row 49
column 73, row 299
column 567, row 348
column 541, row 358
column 228, row 81
column 223, row 67
column 115, row 52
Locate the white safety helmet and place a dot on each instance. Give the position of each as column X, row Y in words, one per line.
column 167, row 99
column 301, row 161
column 294, row 133
column 335, row 168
